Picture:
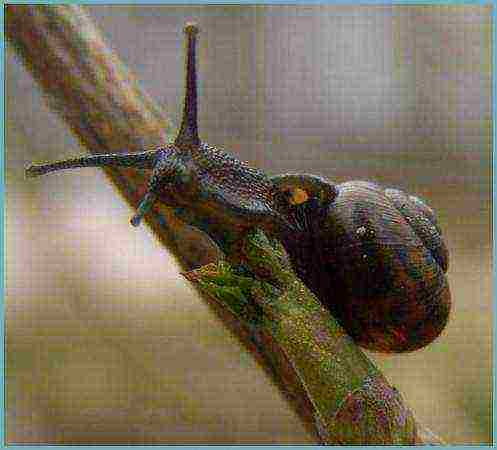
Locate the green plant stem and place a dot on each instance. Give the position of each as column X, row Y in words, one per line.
column 347, row 398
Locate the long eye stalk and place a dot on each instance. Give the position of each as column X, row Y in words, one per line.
column 188, row 133
column 143, row 160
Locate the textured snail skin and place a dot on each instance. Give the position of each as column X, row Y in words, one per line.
column 375, row 257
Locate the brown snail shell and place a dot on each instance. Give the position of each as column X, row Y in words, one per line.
column 375, row 257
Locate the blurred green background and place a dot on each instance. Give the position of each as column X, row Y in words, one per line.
column 106, row 343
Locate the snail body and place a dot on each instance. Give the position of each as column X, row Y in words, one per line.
column 373, row 256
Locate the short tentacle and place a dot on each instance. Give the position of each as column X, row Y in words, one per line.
column 167, row 169
column 144, row 207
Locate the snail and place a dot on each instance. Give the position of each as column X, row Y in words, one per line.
column 373, row 256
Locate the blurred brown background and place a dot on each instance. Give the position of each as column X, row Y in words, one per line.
column 106, row 343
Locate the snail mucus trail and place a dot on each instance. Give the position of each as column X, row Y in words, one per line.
column 373, row 256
